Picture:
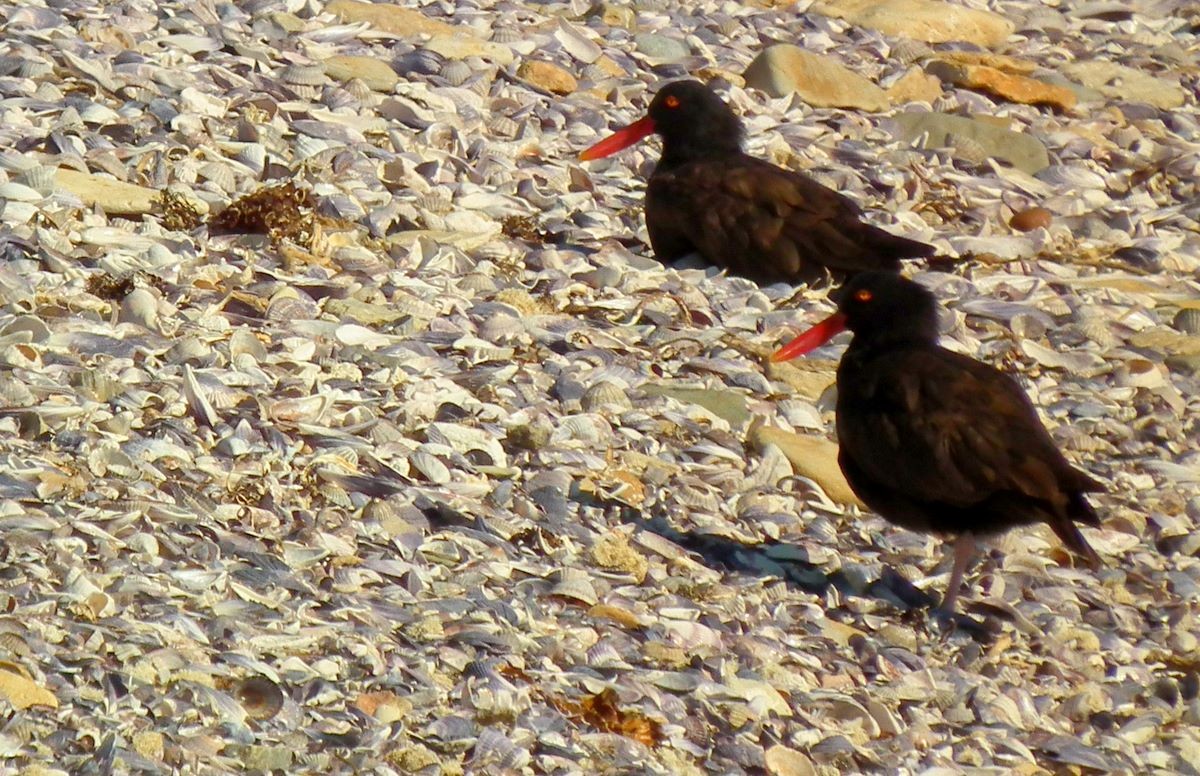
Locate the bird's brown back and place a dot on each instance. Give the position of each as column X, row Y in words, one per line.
column 765, row 222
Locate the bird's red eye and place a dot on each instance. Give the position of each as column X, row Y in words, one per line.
column 863, row 295
column 672, row 101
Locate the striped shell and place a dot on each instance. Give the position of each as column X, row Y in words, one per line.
column 456, row 72
column 1187, row 320
column 304, row 75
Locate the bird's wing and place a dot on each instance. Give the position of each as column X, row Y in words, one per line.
column 942, row 427
column 761, row 220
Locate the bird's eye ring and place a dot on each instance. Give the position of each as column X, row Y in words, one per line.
column 672, row 101
column 863, row 295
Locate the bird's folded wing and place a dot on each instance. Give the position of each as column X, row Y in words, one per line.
column 944, row 427
column 748, row 213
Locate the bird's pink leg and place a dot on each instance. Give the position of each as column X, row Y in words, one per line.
column 964, row 550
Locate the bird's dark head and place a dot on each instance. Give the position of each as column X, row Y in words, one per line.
column 692, row 120
column 880, row 308
column 884, row 305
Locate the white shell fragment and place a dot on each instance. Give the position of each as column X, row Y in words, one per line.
column 348, row 422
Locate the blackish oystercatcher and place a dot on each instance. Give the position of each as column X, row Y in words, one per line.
column 758, row 220
column 936, row 441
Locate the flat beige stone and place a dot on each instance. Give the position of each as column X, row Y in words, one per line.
column 821, row 81
column 391, row 18
column 1126, row 83
column 807, row 378
column 22, row 692
column 925, row 20
column 914, row 86
column 461, row 46
column 1012, row 87
column 812, row 457
column 453, row 41
column 375, row 73
column 113, row 196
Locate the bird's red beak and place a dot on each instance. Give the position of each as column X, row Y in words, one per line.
column 622, row 138
column 812, row 339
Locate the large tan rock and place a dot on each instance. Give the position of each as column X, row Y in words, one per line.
column 821, row 81
column 114, row 197
column 375, row 73
column 449, row 40
column 1126, row 83
column 813, row 457
column 926, row 20
column 1007, row 86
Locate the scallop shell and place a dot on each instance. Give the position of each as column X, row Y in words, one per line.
column 254, row 156
column 605, row 394
column 456, row 72
column 358, row 88
column 1187, row 320
column 291, row 308
column 507, row 35
column 306, row 147
column 420, row 62
column 304, row 75
column 907, row 50
column 30, row 68
column 220, row 174
column 435, row 201
column 575, row 585
column 39, row 178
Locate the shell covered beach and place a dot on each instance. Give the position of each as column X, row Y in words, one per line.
column 348, row 424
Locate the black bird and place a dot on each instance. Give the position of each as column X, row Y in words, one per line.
column 750, row 216
column 936, row 441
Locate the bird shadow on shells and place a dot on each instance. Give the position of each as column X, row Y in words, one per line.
column 778, row 559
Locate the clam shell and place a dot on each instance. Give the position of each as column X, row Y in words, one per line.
column 430, row 467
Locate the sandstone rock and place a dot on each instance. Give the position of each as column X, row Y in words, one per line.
column 1022, row 151
column 1006, row 86
column 821, row 81
column 1125, row 83
column 547, row 76
column 914, row 86
column 373, row 72
column 926, row 20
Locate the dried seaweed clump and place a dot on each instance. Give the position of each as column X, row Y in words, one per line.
column 600, row 711
column 179, row 214
column 283, row 212
column 108, row 286
column 524, row 228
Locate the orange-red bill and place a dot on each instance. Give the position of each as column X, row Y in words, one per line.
column 812, row 339
column 621, row 139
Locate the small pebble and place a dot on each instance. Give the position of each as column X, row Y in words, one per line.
column 1031, row 218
